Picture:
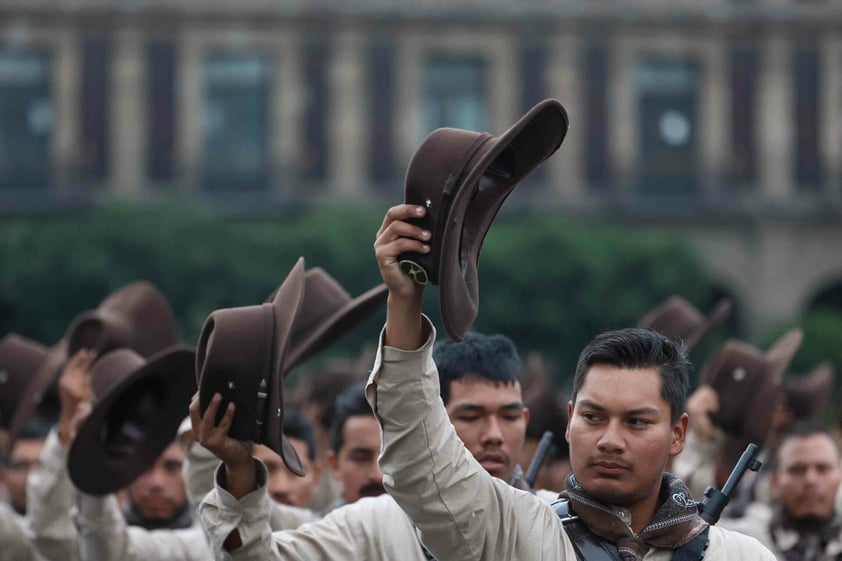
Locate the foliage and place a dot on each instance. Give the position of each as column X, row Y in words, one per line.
column 548, row 283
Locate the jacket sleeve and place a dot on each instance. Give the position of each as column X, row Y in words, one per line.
column 49, row 498
column 462, row 512
column 15, row 545
column 105, row 536
column 342, row 534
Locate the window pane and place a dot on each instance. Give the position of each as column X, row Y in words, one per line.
column 807, row 117
column 596, row 99
column 455, row 93
column 26, row 119
column 743, row 104
column 314, row 161
column 236, row 122
column 381, row 71
column 95, row 88
column 668, row 94
column 161, row 99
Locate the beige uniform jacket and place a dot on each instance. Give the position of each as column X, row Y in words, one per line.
column 14, row 545
column 105, row 536
column 49, row 500
column 462, row 512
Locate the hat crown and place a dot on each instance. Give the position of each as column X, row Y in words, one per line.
column 112, row 368
column 675, row 318
column 323, row 296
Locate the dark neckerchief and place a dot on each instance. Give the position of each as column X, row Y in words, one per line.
column 799, row 540
column 675, row 523
column 181, row 519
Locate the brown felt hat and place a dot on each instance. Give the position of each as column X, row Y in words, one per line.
column 679, row 319
column 462, row 178
column 807, row 396
column 744, row 378
column 138, row 406
column 241, row 355
column 27, row 368
column 137, row 316
column 327, row 314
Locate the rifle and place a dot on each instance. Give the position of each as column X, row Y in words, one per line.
column 715, row 500
column 538, row 459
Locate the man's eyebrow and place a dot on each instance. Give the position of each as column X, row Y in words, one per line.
column 473, row 407
column 639, row 411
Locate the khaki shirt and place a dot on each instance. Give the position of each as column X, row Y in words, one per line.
column 105, row 536
column 462, row 512
column 49, row 501
column 14, row 545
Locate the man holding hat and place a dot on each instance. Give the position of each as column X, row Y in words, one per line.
column 626, row 420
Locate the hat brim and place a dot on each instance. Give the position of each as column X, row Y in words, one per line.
column 286, row 306
column 781, row 353
column 164, row 385
column 340, row 323
column 458, row 286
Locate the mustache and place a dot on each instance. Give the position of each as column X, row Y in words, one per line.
column 492, row 454
column 372, row 490
column 602, row 460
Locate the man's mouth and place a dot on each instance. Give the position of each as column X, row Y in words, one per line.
column 493, row 462
column 606, row 467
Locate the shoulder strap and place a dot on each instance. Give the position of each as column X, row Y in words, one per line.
column 695, row 549
column 588, row 546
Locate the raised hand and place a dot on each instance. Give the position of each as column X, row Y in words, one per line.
column 404, row 328
column 75, row 394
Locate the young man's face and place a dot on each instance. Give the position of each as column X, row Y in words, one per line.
column 23, row 458
column 159, row 492
column 355, row 463
column 284, row 486
column 620, row 435
column 490, row 419
column 807, row 477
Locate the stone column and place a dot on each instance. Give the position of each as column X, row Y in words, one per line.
column 566, row 82
column 830, row 113
column 775, row 114
column 128, row 111
column 287, row 102
column 715, row 115
column 347, row 114
column 66, row 77
column 623, row 109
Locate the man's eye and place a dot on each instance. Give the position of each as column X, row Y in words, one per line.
column 591, row 417
column 513, row 417
column 468, row 419
column 639, row 422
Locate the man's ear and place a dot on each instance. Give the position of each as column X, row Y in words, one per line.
column 679, row 434
column 569, row 418
column 526, row 414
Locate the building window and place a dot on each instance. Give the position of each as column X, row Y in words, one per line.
column 93, row 157
column 808, row 163
column 26, row 119
column 381, row 74
column 236, row 122
column 596, row 120
column 743, row 104
column 161, row 114
column 668, row 98
column 455, row 93
column 313, row 165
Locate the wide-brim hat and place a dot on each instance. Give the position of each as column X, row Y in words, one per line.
column 463, row 177
column 327, row 314
column 744, row 379
column 136, row 316
column 679, row 319
column 807, row 396
column 240, row 356
column 27, row 370
column 138, row 406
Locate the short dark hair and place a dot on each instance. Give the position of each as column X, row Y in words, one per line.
column 547, row 413
column 297, row 426
column 323, row 390
column 350, row 403
column 637, row 348
column 801, row 428
column 483, row 357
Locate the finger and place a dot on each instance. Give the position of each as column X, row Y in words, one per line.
column 227, row 418
column 195, row 419
column 401, row 212
column 401, row 229
column 209, row 418
column 387, row 254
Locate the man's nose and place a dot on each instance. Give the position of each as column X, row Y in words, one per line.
column 612, row 438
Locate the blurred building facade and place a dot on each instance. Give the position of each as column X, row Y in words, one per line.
column 716, row 119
